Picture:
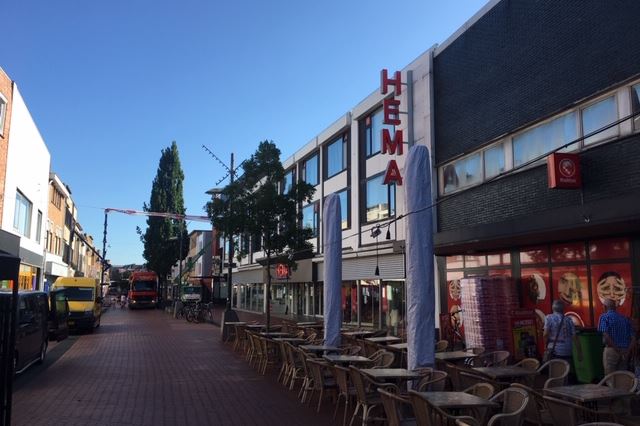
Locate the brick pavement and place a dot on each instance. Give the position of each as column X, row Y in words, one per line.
column 146, row 368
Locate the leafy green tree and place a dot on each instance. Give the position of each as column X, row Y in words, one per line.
column 254, row 205
column 162, row 237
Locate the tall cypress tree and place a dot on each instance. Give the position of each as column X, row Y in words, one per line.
column 162, row 236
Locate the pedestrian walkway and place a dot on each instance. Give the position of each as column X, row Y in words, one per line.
column 146, row 368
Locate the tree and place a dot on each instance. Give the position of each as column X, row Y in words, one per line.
column 254, row 205
column 162, row 237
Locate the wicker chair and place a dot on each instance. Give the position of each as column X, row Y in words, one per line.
column 350, row 350
column 481, row 389
column 514, row 402
column 435, row 382
column 306, row 373
column 492, row 359
column 285, row 366
column 624, row 380
column 442, row 345
column 345, row 391
column 557, row 374
column 428, row 414
column 319, row 382
column 384, row 360
column 567, row 413
column 269, row 353
column 240, row 339
column 367, row 400
column 295, row 371
column 528, row 363
column 392, row 404
column 536, row 412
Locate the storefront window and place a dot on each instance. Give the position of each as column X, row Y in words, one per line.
column 370, row 302
column 475, row 261
column 534, row 255
column 569, row 252
column 393, row 306
column 618, row 248
column 279, row 299
column 499, row 259
column 455, row 262
column 349, row 302
column 318, row 300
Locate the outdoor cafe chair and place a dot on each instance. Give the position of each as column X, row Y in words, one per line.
column 394, row 407
column 428, row 414
column 295, row 371
column 435, row 382
column 481, row 389
column 566, row 413
column 367, row 400
column 251, row 348
column 557, row 374
column 269, row 353
column 319, row 382
column 536, row 412
column 492, row 359
column 528, row 363
column 514, row 402
column 442, row 345
column 240, row 337
column 624, row 380
column 384, row 360
column 306, row 381
column 345, row 390
column 350, row 350
column 285, row 366
column 469, row 378
column 371, row 348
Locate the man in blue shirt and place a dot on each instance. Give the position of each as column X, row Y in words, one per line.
column 559, row 329
column 618, row 337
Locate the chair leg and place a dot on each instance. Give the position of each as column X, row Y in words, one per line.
column 320, row 400
column 355, row 412
column 335, row 412
column 346, row 410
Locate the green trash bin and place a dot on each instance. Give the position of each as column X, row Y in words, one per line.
column 589, row 369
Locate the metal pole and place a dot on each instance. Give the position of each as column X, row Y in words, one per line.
column 104, row 248
column 229, row 285
column 180, row 260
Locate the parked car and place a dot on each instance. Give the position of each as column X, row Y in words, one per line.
column 32, row 328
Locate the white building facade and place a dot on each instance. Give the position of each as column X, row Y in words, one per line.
column 26, row 192
column 347, row 159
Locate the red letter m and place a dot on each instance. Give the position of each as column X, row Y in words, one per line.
column 392, row 145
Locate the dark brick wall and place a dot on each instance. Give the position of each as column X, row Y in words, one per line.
column 525, row 60
column 608, row 171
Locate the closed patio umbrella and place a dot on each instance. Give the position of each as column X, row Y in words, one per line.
column 332, row 270
column 420, row 274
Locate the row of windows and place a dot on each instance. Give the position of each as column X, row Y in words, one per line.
column 534, row 142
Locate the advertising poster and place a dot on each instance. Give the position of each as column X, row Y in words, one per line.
column 527, row 339
column 454, row 302
column 536, row 294
column 611, row 281
column 571, row 285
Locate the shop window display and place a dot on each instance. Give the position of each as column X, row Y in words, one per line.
column 611, row 281
column 571, row 285
column 616, row 248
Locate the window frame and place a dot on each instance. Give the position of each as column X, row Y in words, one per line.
column 345, row 154
column 369, row 132
column 390, row 201
column 4, row 104
column 39, row 227
column 291, row 171
column 315, row 205
column 16, row 214
column 303, row 168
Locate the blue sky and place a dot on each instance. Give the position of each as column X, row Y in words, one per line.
column 112, row 83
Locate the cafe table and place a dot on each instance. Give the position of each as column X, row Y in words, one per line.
column 319, row 348
column 398, row 346
column 385, row 374
column 505, row 372
column 275, row 334
column 357, row 333
column 588, row 394
column 454, row 356
column 293, row 340
column 457, row 400
column 235, row 323
column 348, row 359
column 383, row 339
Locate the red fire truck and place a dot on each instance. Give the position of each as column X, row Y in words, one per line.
column 143, row 289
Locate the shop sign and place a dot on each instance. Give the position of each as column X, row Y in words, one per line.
column 391, row 116
column 282, row 271
column 564, row 171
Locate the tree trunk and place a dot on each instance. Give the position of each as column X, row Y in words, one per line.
column 268, row 295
